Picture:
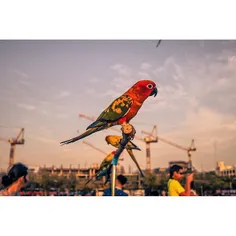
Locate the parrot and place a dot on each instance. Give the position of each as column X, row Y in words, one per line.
column 114, row 140
column 105, row 168
column 121, row 110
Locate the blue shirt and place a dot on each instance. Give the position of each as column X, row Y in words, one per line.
column 118, row 192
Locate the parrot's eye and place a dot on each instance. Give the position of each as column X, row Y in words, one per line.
column 150, row 86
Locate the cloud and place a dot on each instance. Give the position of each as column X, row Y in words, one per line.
column 145, row 66
column 153, row 107
column 232, row 60
column 122, row 83
column 44, row 102
column 26, row 106
column 206, row 126
column 44, row 112
column 21, row 74
column 203, row 119
column 90, row 91
column 144, row 76
column 62, row 116
column 94, row 80
column 118, row 85
column 209, row 81
column 63, row 94
column 169, row 98
column 110, row 93
column 25, row 83
column 122, row 69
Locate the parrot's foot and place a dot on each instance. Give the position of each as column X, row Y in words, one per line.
column 127, row 128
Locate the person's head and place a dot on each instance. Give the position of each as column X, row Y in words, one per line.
column 16, row 171
column 121, row 180
column 176, row 172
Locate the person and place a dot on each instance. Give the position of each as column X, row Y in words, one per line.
column 15, row 179
column 120, row 183
column 174, row 186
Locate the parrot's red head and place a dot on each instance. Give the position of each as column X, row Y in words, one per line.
column 143, row 89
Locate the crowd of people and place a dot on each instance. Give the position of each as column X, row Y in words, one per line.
column 17, row 177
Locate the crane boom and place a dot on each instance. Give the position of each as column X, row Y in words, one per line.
column 91, row 145
column 191, row 148
column 176, row 145
column 21, row 132
column 98, row 149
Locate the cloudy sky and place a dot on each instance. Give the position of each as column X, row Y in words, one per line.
column 44, row 85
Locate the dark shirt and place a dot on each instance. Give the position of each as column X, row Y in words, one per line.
column 118, row 192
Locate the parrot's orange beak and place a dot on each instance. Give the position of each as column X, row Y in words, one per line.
column 154, row 92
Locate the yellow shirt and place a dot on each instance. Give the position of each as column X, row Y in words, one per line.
column 174, row 188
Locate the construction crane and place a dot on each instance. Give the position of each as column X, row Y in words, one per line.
column 13, row 142
column 147, row 140
column 190, row 149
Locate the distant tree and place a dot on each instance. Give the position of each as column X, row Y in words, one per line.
column 72, row 181
column 150, row 183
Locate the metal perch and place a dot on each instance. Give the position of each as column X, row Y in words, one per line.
column 128, row 133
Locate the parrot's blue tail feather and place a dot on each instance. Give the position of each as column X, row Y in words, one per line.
column 85, row 134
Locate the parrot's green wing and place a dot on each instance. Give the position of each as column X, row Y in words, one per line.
column 104, row 164
column 118, row 109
